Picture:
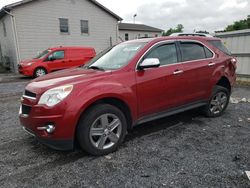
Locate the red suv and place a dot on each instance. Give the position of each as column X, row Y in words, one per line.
column 54, row 59
column 129, row 84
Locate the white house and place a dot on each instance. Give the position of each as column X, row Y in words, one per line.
column 30, row 26
column 128, row 31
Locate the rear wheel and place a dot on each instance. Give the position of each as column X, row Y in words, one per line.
column 101, row 129
column 39, row 72
column 218, row 102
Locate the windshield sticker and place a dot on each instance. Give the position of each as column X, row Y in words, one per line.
column 130, row 49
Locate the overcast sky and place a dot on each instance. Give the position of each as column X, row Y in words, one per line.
column 207, row 15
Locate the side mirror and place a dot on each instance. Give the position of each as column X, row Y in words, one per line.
column 149, row 63
column 51, row 58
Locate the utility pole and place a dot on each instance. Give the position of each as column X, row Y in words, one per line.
column 135, row 15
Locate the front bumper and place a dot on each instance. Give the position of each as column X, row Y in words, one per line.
column 33, row 117
column 62, row 145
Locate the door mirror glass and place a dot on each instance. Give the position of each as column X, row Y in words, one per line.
column 149, row 63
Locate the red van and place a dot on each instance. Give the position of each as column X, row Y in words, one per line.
column 54, row 59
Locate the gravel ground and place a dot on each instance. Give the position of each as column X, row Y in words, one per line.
column 185, row 150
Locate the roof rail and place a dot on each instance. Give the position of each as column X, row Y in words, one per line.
column 191, row 34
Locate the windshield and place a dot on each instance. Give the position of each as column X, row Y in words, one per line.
column 116, row 57
column 43, row 54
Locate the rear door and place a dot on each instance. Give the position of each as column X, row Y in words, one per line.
column 198, row 66
column 159, row 89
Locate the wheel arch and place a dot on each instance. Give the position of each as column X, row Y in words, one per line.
column 115, row 101
column 224, row 82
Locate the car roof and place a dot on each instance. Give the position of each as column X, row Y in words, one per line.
column 71, row 47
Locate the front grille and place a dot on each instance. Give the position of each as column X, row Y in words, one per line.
column 26, row 109
column 20, row 67
column 29, row 94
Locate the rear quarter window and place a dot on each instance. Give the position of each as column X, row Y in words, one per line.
column 219, row 45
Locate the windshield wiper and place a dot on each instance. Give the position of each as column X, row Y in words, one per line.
column 96, row 68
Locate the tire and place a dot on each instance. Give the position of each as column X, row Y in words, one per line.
column 101, row 129
column 218, row 102
column 39, row 72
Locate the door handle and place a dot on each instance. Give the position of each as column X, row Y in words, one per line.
column 178, row 72
column 211, row 64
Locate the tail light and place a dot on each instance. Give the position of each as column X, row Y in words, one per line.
column 234, row 63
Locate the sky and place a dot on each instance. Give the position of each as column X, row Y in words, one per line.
column 210, row 15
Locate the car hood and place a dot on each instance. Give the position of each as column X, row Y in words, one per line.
column 26, row 61
column 65, row 77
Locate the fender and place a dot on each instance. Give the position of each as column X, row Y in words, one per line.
column 96, row 92
column 222, row 70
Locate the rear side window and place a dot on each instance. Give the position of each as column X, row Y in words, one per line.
column 167, row 54
column 218, row 44
column 208, row 53
column 192, row 51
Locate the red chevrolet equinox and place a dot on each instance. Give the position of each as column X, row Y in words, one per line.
column 129, row 84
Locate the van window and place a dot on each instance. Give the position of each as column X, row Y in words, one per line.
column 166, row 53
column 58, row 55
column 192, row 51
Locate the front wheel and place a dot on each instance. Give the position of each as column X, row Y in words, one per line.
column 39, row 72
column 218, row 102
column 101, row 129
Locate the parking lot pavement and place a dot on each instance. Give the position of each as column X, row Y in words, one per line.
column 185, row 150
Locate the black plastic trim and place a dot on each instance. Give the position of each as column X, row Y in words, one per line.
column 171, row 111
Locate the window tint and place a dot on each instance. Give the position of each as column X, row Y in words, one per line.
column 84, row 26
column 167, row 54
column 64, row 25
column 58, row 55
column 192, row 51
column 209, row 54
column 126, row 37
column 218, row 44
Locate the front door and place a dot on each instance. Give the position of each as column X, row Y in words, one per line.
column 56, row 60
column 159, row 89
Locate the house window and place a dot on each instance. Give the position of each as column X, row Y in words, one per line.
column 146, row 35
column 84, row 26
column 126, row 37
column 64, row 25
column 156, row 35
column 4, row 29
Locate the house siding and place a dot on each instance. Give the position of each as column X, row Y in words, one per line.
column 136, row 34
column 7, row 44
column 38, row 26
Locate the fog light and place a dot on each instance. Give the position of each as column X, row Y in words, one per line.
column 49, row 128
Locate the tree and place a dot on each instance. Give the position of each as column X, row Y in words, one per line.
column 239, row 25
column 179, row 29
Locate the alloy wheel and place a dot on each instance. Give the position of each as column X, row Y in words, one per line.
column 218, row 103
column 40, row 72
column 105, row 132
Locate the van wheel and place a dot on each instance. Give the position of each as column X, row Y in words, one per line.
column 101, row 129
column 218, row 102
column 39, row 72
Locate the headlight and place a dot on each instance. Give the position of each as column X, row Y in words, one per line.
column 55, row 95
column 28, row 64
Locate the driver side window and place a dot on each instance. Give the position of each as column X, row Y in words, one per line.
column 57, row 55
column 166, row 53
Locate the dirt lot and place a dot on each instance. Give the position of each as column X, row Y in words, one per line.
column 185, row 150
